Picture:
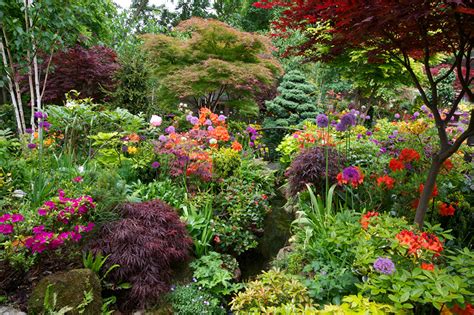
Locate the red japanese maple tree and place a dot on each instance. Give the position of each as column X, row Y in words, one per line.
column 404, row 30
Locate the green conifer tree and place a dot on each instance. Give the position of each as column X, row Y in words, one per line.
column 292, row 106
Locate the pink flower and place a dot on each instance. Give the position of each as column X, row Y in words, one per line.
column 5, row 217
column 50, row 204
column 6, row 229
column 17, row 218
column 77, row 179
column 156, row 120
column 38, row 229
column 42, row 212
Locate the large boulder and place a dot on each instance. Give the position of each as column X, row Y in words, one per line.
column 71, row 289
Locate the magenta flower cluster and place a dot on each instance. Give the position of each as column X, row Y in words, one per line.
column 7, row 222
column 61, row 218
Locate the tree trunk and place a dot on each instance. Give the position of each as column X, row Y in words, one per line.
column 428, row 190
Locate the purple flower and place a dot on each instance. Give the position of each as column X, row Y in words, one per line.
column 322, row 121
column 29, row 130
column 368, row 133
column 359, row 136
column 194, row 120
column 38, row 229
column 341, row 127
column 155, row 164
column 124, row 148
column 40, row 115
column 251, row 130
column 333, row 123
column 221, row 118
column 5, row 217
column 208, row 122
column 460, row 129
column 188, row 117
column 416, row 115
column 210, row 128
column 170, row 130
column 348, row 120
column 367, row 117
column 384, row 265
column 424, row 108
column 397, row 116
column 383, row 150
column 162, row 138
column 45, row 124
column 351, row 174
column 31, row 146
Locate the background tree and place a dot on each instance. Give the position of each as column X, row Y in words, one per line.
column 405, row 30
column 31, row 30
column 292, row 106
column 211, row 64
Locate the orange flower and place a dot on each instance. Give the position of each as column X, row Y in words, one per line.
column 416, row 242
column 220, row 133
column 134, row 137
column 426, row 266
column 396, row 165
column 433, row 194
column 236, row 146
column 365, row 220
column 387, row 180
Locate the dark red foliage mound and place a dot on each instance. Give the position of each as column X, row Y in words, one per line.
column 310, row 168
column 146, row 243
column 87, row 70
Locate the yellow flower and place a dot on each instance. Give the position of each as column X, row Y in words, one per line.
column 132, row 150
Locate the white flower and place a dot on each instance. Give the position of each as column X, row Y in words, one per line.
column 80, row 169
column 183, row 139
column 156, row 120
column 18, row 193
column 212, row 141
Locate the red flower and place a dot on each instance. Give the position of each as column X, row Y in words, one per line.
column 416, row 242
column 446, row 210
column 448, row 165
column 467, row 310
column 217, row 239
column 387, row 180
column 396, row 165
column 365, row 220
column 409, row 155
column 434, row 193
column 426, row 266
column 264, row 197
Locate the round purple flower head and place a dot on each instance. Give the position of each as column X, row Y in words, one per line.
column 416, row 114
column 348, row 120
column 424, row 108
column 322, row 121
column 221, row 118
column 162, row 138
column 188, row 117
column 40, row 115
column 208, row 122
column 29, row 130
column 384, row 265
column 170, row 130
column 124, row 148
column 397, row 116
column 341, row 127
column 351, row 174
column 194, row 120
column 31, row 146
column 155, row 164
column 210, row 128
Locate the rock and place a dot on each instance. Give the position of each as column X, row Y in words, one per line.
column 284, row 252
column 6, row 310
column 71, row 288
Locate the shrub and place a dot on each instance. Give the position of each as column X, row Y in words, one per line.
column 87, row 70
column 211, row 273
column 225, row 162
column 146, row 243
column 310, row 168
column 272, row 288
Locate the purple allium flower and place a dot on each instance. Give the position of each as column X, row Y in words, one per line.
column 367, row 117
column 31, row 146
column 208, row 122
column 124, row 148
column 210, row 128
column 368, row 133
column 155, row 164
column 397, row 116
column 162, row 138
column 341, row 127
column 251, row 130
column 424, row 108
column 221, row 118
column 29, row 130
column 40, row 115
column 359, row 136
column 45, row 124
column 333, row 123
column 348, row 120
column 170, row 130
column 416, row 114
column 322, row 121
column 194, row 120
column 351, row 174
column 251, row 144
column 384, row 265
column 188, row 117
column 430, row 115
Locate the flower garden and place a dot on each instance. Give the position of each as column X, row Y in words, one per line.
column 263, row 158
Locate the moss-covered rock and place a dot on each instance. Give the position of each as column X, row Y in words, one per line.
column 71, row 289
